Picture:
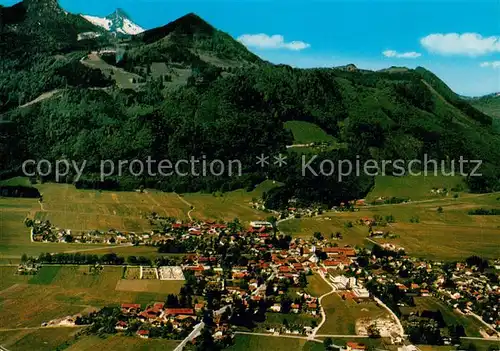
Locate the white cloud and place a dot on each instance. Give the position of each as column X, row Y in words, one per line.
column 492, row 64
column 394, row 53
column 264, row 41
column 471, row 44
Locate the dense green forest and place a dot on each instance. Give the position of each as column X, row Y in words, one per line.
column 232, row 107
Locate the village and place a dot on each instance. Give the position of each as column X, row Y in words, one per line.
column 258, row 271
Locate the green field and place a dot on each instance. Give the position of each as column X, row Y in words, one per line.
column 448, row 234
column 123, row 79
column 47, row 339
column 326, row 225
column 122, row 343
column 413, row 187
column 15, row 238
column 231, row 205
column 316, row 286
column 80, row 210
column 343, row 314
column 255, row 343
column 306, row 132
column 16, row 181
column 56, row 292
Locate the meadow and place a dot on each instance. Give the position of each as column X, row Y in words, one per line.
column 253, row 342
column 81, row 210
column 434, row 227
column 306, row 132
column 231, row 205
column 47, row 339
column 316, row 286
column 343, row 314
column 59, row 291
column 414, row 187
column 122, row 343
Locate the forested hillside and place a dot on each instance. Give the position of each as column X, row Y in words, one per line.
column 232, row 106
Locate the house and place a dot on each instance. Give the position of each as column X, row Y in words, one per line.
column 339, row 251
column 295, row 308
column 312, row 306
column 143, row 333
column 342, row 282
column 361, row 293
column 158, row 307
column 367, row 221
column 178, row 311
column 148, row 315
column 276, row 307
column 260, row 224
column 121, row 325
column 354, row 346
column 313, row 259
column 199, row 306
column 336, row 263
column 130, row 308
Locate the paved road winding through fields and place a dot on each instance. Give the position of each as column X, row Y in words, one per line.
column 323, row 314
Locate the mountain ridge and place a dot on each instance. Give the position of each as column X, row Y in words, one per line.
column 192, row 89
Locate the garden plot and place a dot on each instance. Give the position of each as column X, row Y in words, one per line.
column 132, row 273
column 170, row 273
column 149, row 273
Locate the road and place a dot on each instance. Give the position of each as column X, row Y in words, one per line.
column 323, row 314
column 299, row 145
column 484, row 323
column 191, row 207
column 400, row 326
column 42, row 97
column 197, row 330
column 194, row 334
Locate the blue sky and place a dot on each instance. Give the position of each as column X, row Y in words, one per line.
column 457, row 40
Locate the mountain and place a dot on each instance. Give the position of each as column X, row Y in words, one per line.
column 187, row 89
column 117, row 23
column 188, row 40
column 34, row 26
column 489, row 104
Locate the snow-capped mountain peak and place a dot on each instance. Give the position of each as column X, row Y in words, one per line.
column 118, row 23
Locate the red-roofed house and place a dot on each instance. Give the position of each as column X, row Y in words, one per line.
column 130, row 307
column 143, row 333
column 177, row 311
column 354, row 346
column 339, row 251
column 121, row 325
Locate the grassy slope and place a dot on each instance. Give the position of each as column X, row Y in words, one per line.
column 491, row 106
column 70, row 208
column 306, row 132
column 413, row 187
